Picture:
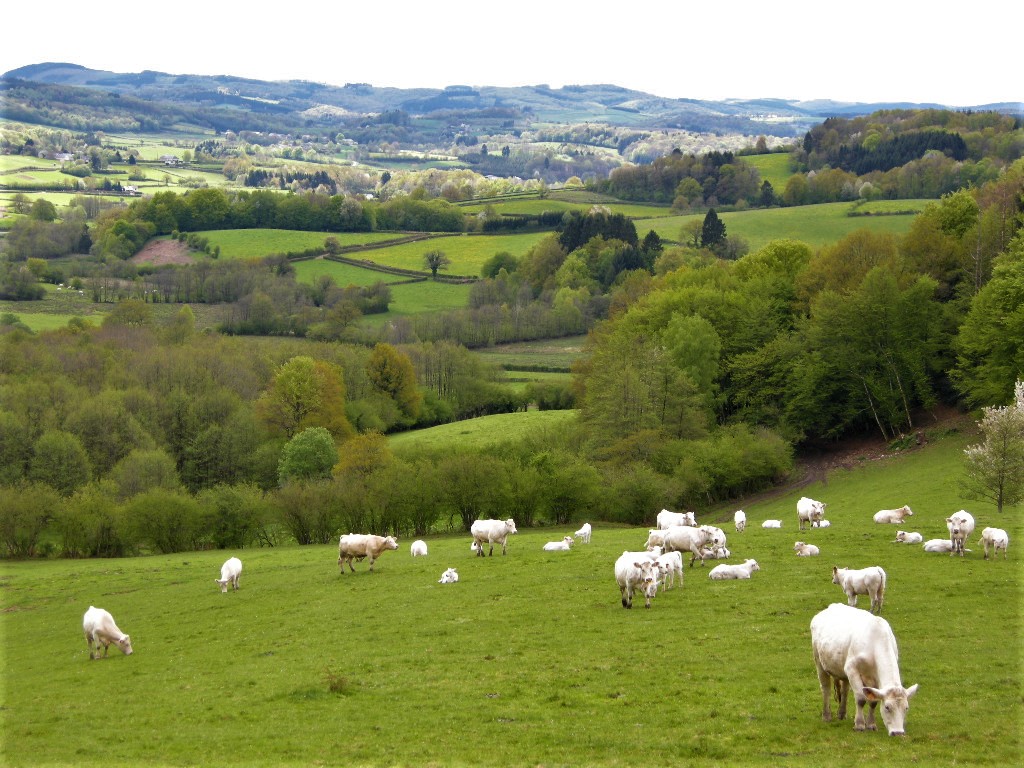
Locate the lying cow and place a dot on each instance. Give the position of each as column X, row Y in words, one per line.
column 229, row 574
column 100, row 630
column 449, row 577
column 996, row 538
column 939, row 545
column 491, row 532
column 960, row 526
column 635, row 571
column 806, row 550
column 771, row 524
column 741, row 571
column 908, row 537
column 559, row 546
column 418, row 548
column 823, row 523
column 739, row 519
column 865, row 581
column 715, row 553
column 666, row 519
column 583, row 534
column 809, row 511
column 854, row 650
column 897, row 516
column 356, row 546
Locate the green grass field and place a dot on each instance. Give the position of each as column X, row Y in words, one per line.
column 536, row 205
column 774, row 168
column 257, row 243
column 816, row 225
column 466, row 252
column 482, row 431
column 549, row 353
column 529, row 660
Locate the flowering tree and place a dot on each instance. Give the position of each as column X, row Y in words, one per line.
column 995, row 467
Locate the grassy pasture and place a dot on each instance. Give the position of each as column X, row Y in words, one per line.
column 344, row 274
column 480, row 432
column 536, row 205
column 774, row 168
column 528, row 660
column 257, row 243
column 816, row 225
column 425, row 296
column 466, row 252
column 549, row 353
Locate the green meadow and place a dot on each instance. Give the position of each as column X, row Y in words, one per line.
column 530, row 659
column 258, row 243
column 773, row 167
column 480, row 432
column 551, row 354
column 467, row 253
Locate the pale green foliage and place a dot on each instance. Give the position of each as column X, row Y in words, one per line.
column 310, row 455
column 995, row 467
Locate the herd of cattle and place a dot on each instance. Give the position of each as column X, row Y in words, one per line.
column 853, row 649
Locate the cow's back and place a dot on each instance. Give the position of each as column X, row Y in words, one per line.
column 842, row 634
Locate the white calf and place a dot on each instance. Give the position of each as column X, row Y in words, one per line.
column 449, row 577
column 897, row 516
column 909, row 537
column 100, row 630
column 996, row 538
column 805, row 550
column 655, row 538
column 960, row 526
column 636, row 571
column 809, row 511
column 866, row 581
column 821, row 524
column 559, row 546
column 418, row 548
column 740, row 571
column 492, row 532
column 229, row 573
column 938, row 545
column 671, row 565
column 855, row 650
column 771, row 524
column 739, row 519
column 583, row 534
column 715, row 553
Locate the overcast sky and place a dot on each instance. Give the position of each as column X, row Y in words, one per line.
column 868, row 51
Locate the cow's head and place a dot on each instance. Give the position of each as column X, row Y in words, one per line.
column 223, row 584
column 901, row 535
column 753, row 565
column 955, row 525
column 907, row 510
column 895, row 701
column 125, row 644
column 511, row 525
column 835, row 574
column 390, row 543
column 648, row 577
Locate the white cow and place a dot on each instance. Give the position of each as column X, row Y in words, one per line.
column 741, row 571
column 492, row 532
column 996, row 538
column 739, row 519
column 634, row 571
column 771, row 524
column 806, row 550
column 909, row 537
column 715, row 553
column 229, row 573
column 583, row 534
column 809, row 511
column 939, row 545
column 897, row 516
column 686, row 538
column 449, row 577
column 865, row 581
column 356, row 546
column 823, row 523
column 960, row 526
column 855, row 650
column 667, row 519
column 559, row 546
column 418, row 548
column 671, row 565
column 100, row 630
column 718, row 539
column 655, row 538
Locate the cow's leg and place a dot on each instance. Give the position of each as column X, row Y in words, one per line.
column 851, row 599
column 842, row 694
column 504, row 543
column 824, row 680
column 627, row 598
column 490, row 552
column 371, row 563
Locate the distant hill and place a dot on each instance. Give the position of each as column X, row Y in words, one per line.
column 318, row 103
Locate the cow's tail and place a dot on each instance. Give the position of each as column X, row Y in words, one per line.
column 881, row 588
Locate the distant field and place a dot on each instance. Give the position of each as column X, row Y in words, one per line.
column 549, row 353
column 816, row 225
column 344, row 274
column 774, row 168
column 466, row 252
column 481, row 432
column 535, row 205
column 428, row 296
column 257, row 243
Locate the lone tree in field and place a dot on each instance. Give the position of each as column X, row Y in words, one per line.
column 712, row 233
column 435, row 260
column 995, row 467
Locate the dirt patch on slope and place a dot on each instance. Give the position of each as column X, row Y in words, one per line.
column 160, row 252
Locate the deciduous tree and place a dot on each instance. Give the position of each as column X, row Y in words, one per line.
column 995, row 467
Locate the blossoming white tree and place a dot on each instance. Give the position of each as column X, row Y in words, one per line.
column 995, row 467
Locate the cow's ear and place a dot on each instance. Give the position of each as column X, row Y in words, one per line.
column 911, row 690
column 872, row 694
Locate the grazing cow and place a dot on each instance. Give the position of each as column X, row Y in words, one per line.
column 909, row 537
column 718, row 539
column 667, row 519
column 670, row 564
column 636, row 571
column 449, row 577
column 229, row 573
column 741, row 571
column 854, row 650
column 474, row 547
column 823, row 523
column 356, row 546
column 997, row 538
column 897, row 516
column 960, row 525
column 806, row 550
column 583, row 534
column 686, row 538
column 418, row 548
column 866, row 581
column 491, row 532
column 939, row 545
column 559, row 546
column 739, row 519
column 771, row 524
column 100, row 630
column 809, row 511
